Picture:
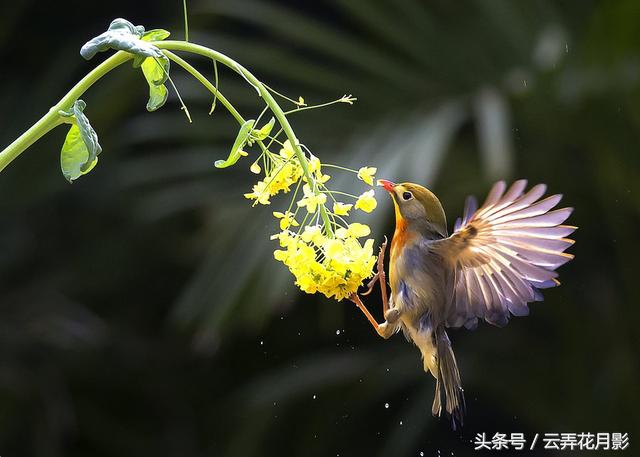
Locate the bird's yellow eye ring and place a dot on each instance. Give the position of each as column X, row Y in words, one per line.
column 407, row 195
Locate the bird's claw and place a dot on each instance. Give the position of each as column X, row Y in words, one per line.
column 379, row 276
column 372, row 283
column 391, row 315
column 385, row 330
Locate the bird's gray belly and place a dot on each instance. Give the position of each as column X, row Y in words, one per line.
column 421, row 289
column 412, row 300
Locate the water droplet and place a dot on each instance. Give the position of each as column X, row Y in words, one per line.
column 400, row 422
column 386, row 405
column 337, row 332
column 421, row 454
column 314, row 397
column 261, row 343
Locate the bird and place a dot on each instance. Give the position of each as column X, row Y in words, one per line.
column 497, row 260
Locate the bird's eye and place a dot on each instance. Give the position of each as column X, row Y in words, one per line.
column 407, row 195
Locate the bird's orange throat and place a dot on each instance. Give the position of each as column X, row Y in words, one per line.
column 400, row 235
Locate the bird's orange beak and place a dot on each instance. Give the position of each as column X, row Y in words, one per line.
column 388, row 185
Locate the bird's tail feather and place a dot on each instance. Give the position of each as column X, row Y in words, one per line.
column 448, row 382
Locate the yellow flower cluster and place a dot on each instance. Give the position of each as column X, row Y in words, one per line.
column 333, row 265
column 324, row 253
column 284, row 171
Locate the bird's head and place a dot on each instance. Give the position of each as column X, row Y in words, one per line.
column 417, row 208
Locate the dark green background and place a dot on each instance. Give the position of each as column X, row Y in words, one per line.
column 142, row 313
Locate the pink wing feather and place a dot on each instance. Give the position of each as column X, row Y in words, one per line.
column 504, row 252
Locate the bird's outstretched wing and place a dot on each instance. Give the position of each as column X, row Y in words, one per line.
column 504, row 252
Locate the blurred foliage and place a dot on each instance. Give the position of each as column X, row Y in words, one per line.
column 141, row 312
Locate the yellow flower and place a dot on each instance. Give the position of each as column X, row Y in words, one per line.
column 313, row 234
column 358, row 230
column 355, row 230
column 287, row 219
column 341, row 233
column 311, row 200
column 334, row 249
column 283, row 175
column 314, row 164
column 279, row 255
column 287, row 150
column 259, row 194
column 342, row 209
column 366, row 174
column 367, row 201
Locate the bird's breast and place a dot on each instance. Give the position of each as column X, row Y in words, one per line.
column 402, row 240
column 417, row 281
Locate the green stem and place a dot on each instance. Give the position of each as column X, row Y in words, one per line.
column 340, row 168
column 52, row 119
column 305, row 108
column 330, row 192
column 213, row 89
column 186, row 20
column 47, row 123
column 264, row 93
column 206, row 83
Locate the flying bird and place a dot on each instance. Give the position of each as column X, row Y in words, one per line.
column 497, row 260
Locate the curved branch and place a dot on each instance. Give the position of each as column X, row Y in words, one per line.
column 206, row 83
column 264, row 93
column 52, row 119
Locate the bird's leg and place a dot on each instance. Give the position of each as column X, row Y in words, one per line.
column 380, row 277
column 384, row 330
column 354, row 297
column 391, row 313
column 387, row 328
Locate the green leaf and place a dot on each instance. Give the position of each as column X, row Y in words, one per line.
column 81, row 148
column 122, row 35
column 74, row 155
column 241, row 139
column 264, row 132
column 155, row 35
column 156, row 72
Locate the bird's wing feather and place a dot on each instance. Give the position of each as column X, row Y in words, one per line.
column 504, row 252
